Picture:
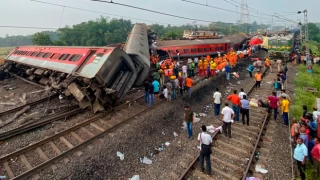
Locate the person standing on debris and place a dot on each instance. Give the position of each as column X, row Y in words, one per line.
column 205, row 141
column 227, row 116
column 156, row 86
column 245, row 104
column 189, row 118
column 228, row 69
column 258, row 77
column 217, row 98
column 151, row 95
column 315, row 154
column 242, row 93
column 146, row 91
column 273, row 104
column 279, row 62
column 189, row 86
column 250, row 69
column 300, row 155
column 285, row 109
column 234, row 98
column 166, row 93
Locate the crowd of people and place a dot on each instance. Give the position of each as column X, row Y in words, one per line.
column 305, row 137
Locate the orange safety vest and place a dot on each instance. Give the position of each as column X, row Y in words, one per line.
column 292, row 129
column 200, row 65
column 166, row 72
column 268, row 63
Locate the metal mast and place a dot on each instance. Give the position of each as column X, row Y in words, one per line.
column 244, row 16
column 306, row 34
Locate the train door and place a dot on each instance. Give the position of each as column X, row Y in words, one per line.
column 91, row 53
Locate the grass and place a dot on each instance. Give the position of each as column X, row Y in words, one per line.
column 4, row 51
column 305, row 79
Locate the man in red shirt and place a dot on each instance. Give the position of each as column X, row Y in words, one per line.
column 234, row 98
column 315, row 154
column 273, row 104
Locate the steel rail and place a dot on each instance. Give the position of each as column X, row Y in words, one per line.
column 182, row 176
column 34, row 170
column 19, row 130
column 29, row 104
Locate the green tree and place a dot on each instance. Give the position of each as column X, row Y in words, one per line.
column 41, row 38
column 59, row 43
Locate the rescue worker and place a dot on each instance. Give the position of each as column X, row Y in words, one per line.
column 200, row 67
column 189, row 67
column 174, row 87
column 205, row 65
column 258, row 77
column 268, row 64
column 208, row 70
column 160, row 71
column 189, row 86
column 212, row 68
column 192, row 68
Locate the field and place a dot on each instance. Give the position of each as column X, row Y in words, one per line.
column 4, row 51
column 304, row 79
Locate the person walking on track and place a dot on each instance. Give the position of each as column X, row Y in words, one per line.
column 245, row 109
column 258, row 77
column 228, row 69
column 227, row 116
column 188, row 117
column 205, row 141
column 279, row 63
column 235, row 99
column 273, row 104
column 300, row 155
column 285, row 109
column 250, row 69
column 189, row 86
column 217, row 98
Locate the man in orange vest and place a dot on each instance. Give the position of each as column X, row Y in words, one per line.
column 258, row 77
column 189, row 86
column 205, row 65
column 295, row 130
column 200, row 67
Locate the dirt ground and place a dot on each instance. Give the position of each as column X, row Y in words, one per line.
column 141, row 136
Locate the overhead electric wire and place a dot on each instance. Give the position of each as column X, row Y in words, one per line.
column 98, row 12
column 26, row 27
column 153, row 11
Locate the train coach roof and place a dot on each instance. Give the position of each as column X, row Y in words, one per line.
column 190, row 42
column 68, row 47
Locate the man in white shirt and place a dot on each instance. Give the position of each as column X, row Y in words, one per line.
column 315, row 113
column 227, row 118
column 205, row 140
column 165, row 93
column 241, row 93
column 184, row 69
column 217, row 97
column 196, row 60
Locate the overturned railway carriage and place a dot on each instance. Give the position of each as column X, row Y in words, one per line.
column 195, row 48
column 93, row 75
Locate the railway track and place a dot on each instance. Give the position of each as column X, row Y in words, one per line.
column 233, row 158
column 69, row 141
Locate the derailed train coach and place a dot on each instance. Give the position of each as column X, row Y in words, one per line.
column 96, row 76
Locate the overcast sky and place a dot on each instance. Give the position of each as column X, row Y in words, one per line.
column 35, row 14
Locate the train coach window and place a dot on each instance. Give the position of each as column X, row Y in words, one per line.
column 16, row 52
column 186, row 50
column 34, row 54
column 46, row 55
column 98, row 57
column 211, row 49
column 64, row 57
column 170, row 51
column 75, row 57
column 193, row 50
column 221, row 48
column 217, row 48
column 206, row 49
column 200, row 50
column 55, row 56
column 40, row 54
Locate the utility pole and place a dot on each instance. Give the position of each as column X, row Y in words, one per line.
column 306, row 36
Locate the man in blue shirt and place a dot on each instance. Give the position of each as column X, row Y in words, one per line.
column 156, row 88
column 300, row 155
column 245, row 109
column 228, row 69
column 250, row 69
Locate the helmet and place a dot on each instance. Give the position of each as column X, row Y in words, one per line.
column 173, row 77
column 211, row 62
column 267, row 59
column 200, row 61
